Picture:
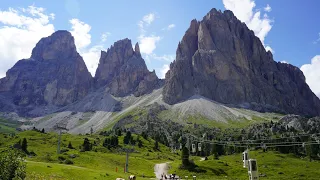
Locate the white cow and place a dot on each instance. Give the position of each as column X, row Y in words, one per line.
column 132, row 177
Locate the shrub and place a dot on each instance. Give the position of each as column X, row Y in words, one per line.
column 31, row 153
column 61, row 158
column 156, row 145
column 185, row 157
column 48, row 157
column 12, row 165
column 73, row 155
column 68, row 161
column 87, row 146
column 24, row 145
column 64, row 150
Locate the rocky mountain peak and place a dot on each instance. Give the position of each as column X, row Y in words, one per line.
column 221, row 59
column 60, row 43
column 55, row 75
column 123, row 71
column 137, row 50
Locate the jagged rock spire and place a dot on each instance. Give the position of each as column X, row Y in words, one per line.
column 137, row 50
column 124, row 71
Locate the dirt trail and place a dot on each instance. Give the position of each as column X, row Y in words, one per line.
column 160, row 169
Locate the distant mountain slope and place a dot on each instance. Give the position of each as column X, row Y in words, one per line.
column 221, row 59
column 99, row 110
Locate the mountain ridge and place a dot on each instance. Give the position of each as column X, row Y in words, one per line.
column 221, row 59
column 56, row 76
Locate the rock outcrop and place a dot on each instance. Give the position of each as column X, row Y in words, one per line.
column 221, row 59
column 123, row 71
column 55, row 74
column 310, row 126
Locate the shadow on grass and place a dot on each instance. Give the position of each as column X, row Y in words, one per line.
column 218, row 172
column 191, row 167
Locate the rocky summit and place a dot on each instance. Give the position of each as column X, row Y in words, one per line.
column 55, row 74
column 123, row 71
column 221, row 59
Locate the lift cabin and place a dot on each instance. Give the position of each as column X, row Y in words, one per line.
column 245, row 158
column 253, row 169
column 199, row 147
column 193, row 148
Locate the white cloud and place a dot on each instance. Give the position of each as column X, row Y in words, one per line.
column 268, row 48
column 165, row 57
column 82, row 36
column 91, row 57
column 149, row 18
column 244, row 11
column 146, row 21
column 267, row 8
column 284, row 62
column 170, row 26
column 318, row 40
column 311, row 72
column 105, row 36
column 165, row 68
column 148, row 43
column 80, row 32
column 20, row 30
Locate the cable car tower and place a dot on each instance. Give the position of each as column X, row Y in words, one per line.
column 60, row 127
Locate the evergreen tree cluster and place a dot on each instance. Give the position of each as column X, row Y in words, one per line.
column 128, row 139
column 111, row 142
column 41, row 131
column 86, row 146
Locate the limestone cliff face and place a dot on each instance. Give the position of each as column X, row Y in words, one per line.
column 55, row 74
column 221, row 59
column 124, row 71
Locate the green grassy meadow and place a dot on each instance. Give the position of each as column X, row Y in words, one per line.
column 101, row 163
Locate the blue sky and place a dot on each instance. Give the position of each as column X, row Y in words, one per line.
column 290, row 28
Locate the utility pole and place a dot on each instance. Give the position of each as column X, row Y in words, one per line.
column 60, row 127
column 91, row 130
column 128, row 150
column 59, row 141
column 127, row 162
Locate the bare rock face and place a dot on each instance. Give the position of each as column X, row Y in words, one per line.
column 303, row 124
column 55, row 74
column 124, row 71
column 221, row 59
